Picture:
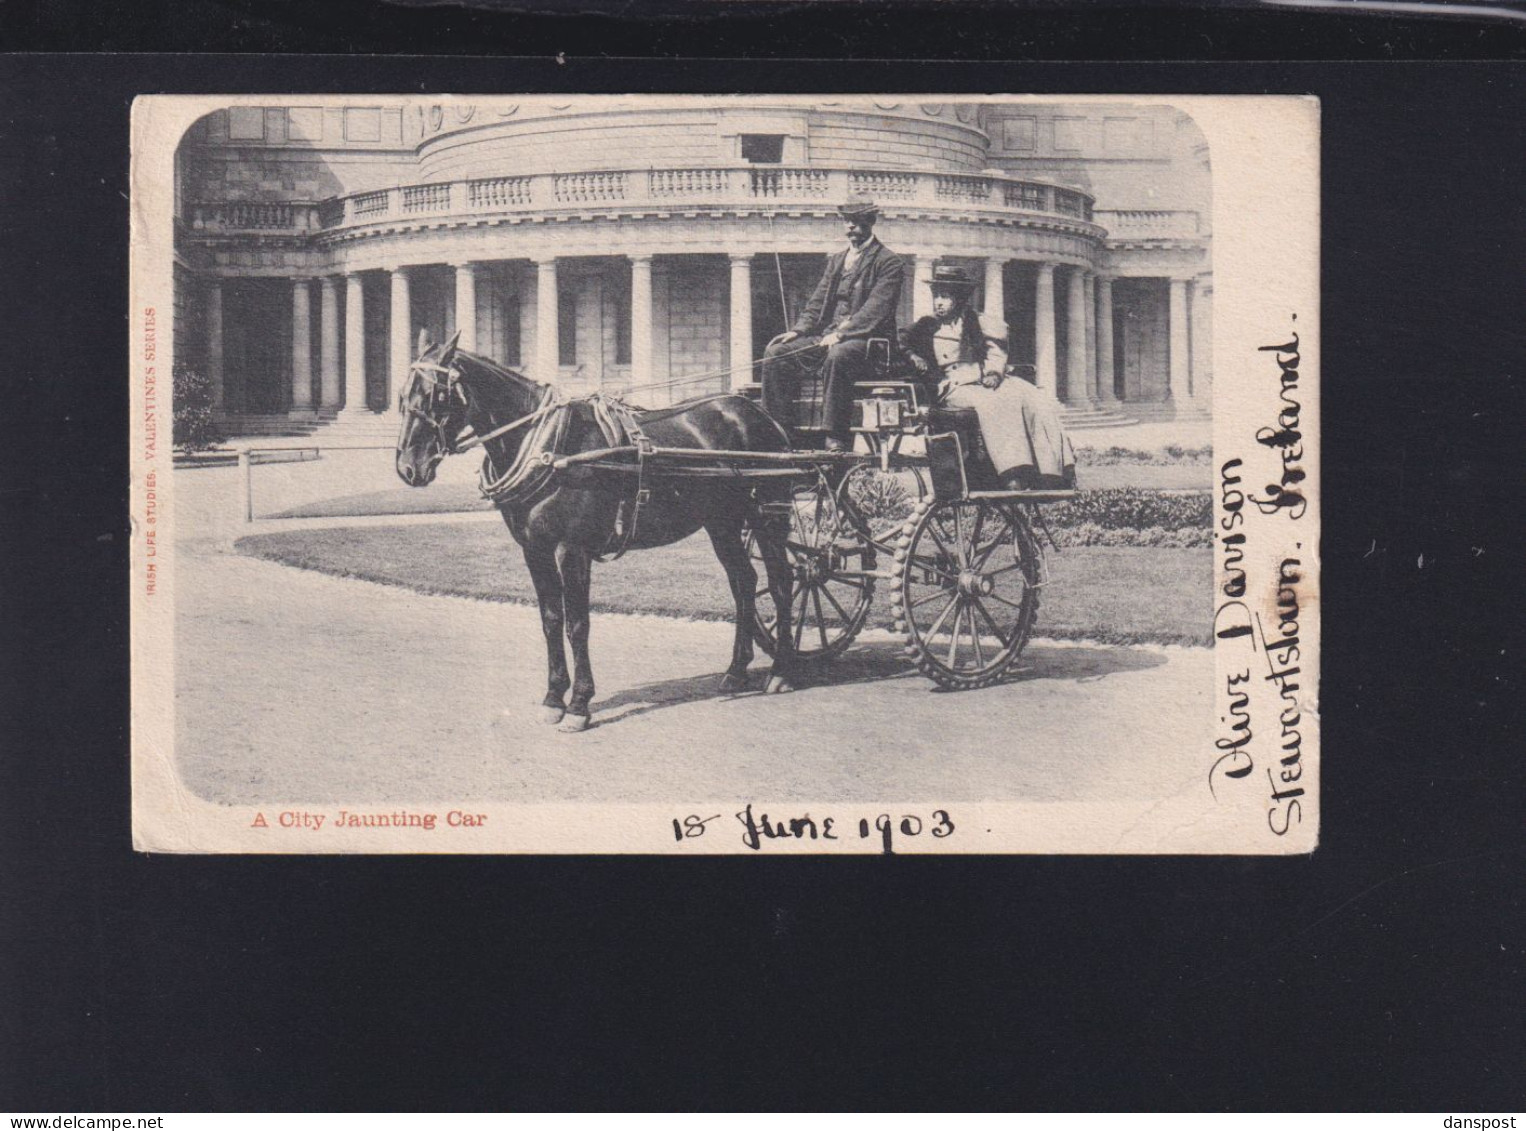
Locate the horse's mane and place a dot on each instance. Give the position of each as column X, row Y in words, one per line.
column 496, row 370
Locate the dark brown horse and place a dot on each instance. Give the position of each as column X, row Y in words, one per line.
column 564, row 519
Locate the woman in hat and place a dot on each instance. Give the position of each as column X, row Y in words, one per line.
column 967, row 369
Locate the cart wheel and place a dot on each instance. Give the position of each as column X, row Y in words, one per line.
column 967, row 591
column 878, row 503
column 832, row 586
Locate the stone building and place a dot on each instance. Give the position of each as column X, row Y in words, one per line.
column 608, row 244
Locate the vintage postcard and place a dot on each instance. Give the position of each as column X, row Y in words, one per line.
column 690, row 475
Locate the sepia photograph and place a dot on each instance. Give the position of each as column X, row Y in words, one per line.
column 725, row 474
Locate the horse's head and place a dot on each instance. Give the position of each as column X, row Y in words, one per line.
column 434, row 407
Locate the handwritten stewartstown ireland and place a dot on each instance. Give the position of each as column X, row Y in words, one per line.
column 756, row 475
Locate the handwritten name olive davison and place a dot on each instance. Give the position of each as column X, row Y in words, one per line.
column 350, row 819
column 1237, row 625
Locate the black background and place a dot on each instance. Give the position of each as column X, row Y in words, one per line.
column 1384, row 972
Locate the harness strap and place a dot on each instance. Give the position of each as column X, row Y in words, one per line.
column 617, row 420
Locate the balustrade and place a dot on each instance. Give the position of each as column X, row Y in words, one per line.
column 1030, row 196
column 1068, row 203
column 743, row 186
column 1159, row 223
column 499, row 192
column 975, row 190
column 789, row 183
column 589, row 188
column 689, row 182
column 426, row 198
column 369, row 204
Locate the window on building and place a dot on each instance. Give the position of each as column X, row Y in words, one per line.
column 763, row 149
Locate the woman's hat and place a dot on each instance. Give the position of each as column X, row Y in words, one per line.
column 951, row 279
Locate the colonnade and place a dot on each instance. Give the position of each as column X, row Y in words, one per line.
column 1088, row 359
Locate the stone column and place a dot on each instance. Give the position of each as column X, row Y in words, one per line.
column 354, row 347
column 641, row 319
column 215, row 343
column 400, row 337
column 466, row 305
column 1106, row 371
column 548, row 352
column 1180, row 355
column 328, row 328
column 301, row 348
column 1089, row 287
column 741, row 321
column 922, row 291
column 1077, row 378
column 995, row 297
column 1199, row 328
column 1045, row 368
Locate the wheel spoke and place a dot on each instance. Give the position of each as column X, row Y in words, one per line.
column 821, row 621
column 923, row 563
column 933, row 532
column 1004, row 601
column 920, row 601
column 938, row 623
column 856, row 582
column 969, row 615
column 800, row 620
column 953, row 643
column 846, row 619
column 996, row 543
column 1004, row 569
column 995, row 628
column 963, row 544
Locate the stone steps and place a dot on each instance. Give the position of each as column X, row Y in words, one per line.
column 328, row 429
column 1083, row 419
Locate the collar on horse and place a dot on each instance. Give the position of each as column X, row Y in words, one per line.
column 533, row 468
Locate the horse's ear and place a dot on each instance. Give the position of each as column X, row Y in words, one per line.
column 450, row 344
column 424, row 343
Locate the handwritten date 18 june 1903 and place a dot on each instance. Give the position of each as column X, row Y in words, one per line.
column 759, row 829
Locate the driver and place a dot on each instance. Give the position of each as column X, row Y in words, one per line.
column 856, row 300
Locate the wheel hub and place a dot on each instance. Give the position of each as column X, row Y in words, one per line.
column 973, row 583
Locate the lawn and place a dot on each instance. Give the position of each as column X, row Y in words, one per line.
column 1113, row 594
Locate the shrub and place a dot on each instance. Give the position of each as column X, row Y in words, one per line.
column 1157, row 537
column 882, row 499
column 1129, row 508
column 1115, row 455
column 195, row 430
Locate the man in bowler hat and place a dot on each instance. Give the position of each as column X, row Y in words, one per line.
column 856, row 300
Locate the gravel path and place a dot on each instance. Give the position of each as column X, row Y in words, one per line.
column 297, row 687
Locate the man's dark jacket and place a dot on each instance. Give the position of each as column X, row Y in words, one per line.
column 875, row 292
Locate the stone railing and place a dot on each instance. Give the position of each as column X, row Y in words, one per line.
column 768, row 187
column 254, row 216
column 1148, row 223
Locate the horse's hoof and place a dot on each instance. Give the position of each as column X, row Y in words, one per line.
column 573, row 724
column 733, row 683
column 779, row 684
column 551, row 715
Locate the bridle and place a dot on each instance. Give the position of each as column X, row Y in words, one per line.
column 447, row 377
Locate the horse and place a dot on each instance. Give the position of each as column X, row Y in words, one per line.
column 565, row 518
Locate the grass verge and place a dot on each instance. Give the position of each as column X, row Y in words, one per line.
column 1113, row 594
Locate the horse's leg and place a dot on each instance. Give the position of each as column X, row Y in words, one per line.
column 576, row 566
column 548, row 594
column 726, row 537
column 771, row 544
